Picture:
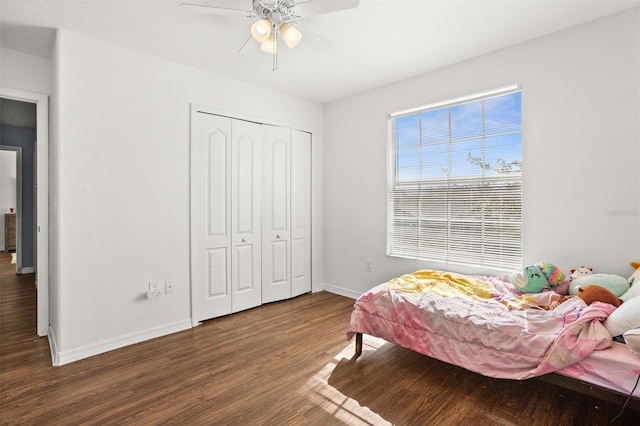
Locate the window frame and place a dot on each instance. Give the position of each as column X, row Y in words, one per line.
column 511, row 183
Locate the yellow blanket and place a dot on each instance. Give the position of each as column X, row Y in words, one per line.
column 450, row 284
column 447, row 284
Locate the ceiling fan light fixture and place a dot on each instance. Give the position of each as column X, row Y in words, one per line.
column 269, row 45
column 261, row 30
column 290, row 35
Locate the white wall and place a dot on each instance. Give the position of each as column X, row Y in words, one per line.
column 25, row 72
column 581, row 150
column 120, row 151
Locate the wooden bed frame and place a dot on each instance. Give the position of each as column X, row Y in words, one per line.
column 564, row 382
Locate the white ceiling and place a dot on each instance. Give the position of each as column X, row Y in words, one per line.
column 379, row 42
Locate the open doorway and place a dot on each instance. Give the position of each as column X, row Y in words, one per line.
column 17, row 180
column 10, row 197
column 25, row 125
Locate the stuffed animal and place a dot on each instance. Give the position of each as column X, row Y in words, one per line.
column 635, row 277
column 563, row 288
column 594, row 293
column 579, row 272
column 614, row 283
column 557, row 280
column 634, row 283
column 552, row 273
column 541, row 276
column 531, row 280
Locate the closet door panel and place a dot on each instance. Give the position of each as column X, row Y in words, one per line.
column 211, row 221
column 279, row 185
column 300, row 212
column 217, row 192
column 276, row 221
column 245, row 172
column 246, row 279
column 279, row 263
column 217, row 279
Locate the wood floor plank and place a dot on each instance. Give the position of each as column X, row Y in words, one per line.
column 285, row 363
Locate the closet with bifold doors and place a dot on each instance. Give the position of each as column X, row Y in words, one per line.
column 250, row 214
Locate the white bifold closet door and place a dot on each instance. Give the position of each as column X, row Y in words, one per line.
column 300, row 212
column 251, row 214
column 286, row 213
column 276, row 218
column 226, row 173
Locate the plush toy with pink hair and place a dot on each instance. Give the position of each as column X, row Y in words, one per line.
column 556, row 279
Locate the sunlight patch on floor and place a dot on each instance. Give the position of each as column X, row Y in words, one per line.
column 335, row 402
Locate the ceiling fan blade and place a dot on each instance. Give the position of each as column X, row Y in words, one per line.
column 308, row 8
column 244, row 44
column 215, row 10
column 314, row 39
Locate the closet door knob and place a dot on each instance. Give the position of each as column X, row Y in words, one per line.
column 278, row 236
column 244, row 241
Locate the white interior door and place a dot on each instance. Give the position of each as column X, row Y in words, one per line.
column 276, row 275
column 211, row 225
column 245, row 215
column 300, row 212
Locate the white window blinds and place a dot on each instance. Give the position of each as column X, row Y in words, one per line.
column 455, row 182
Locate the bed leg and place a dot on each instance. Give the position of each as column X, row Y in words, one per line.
column 358, row 345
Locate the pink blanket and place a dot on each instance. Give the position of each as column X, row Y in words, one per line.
column 484, row 335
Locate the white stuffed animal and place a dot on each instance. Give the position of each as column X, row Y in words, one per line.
column 580, row 272
column 634, row 282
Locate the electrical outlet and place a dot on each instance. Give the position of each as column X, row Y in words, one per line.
column 367, row 265
column 168, row 286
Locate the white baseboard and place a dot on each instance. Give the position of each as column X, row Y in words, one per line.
column 86, row 351
column 340, row 291
column 26, row 270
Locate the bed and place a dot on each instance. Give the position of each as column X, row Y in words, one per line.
column 485, row 325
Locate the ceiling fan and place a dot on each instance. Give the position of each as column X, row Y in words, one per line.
column 277, row 19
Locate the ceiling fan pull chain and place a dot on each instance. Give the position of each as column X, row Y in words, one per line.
column 275, row 48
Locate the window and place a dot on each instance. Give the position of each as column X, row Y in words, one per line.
column 455, row 182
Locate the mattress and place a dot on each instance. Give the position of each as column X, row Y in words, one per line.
column 615, row 368
column 492, row 332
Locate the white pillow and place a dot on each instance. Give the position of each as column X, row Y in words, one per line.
column 632, row 339
column 624, row 318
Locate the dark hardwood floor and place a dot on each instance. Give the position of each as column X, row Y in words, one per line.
column 279, row 364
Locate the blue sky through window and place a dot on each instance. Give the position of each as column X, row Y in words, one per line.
column 474, row 139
